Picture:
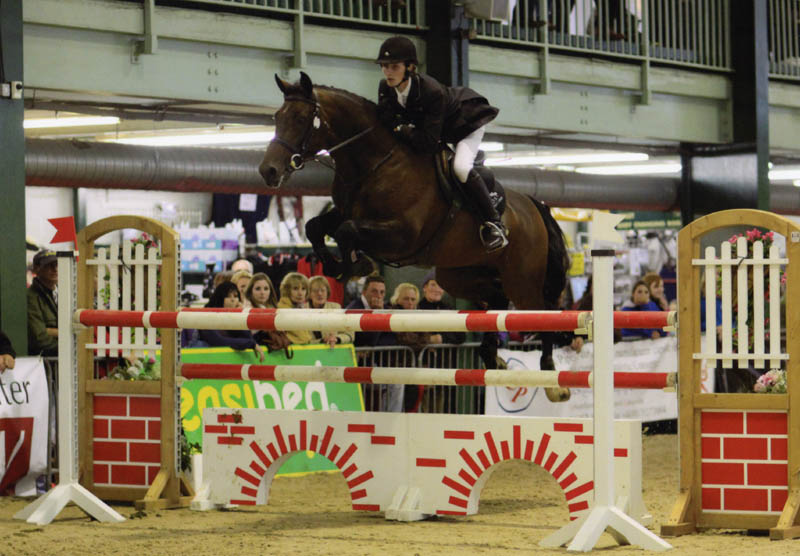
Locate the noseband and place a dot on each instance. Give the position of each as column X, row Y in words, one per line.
column 301, row 154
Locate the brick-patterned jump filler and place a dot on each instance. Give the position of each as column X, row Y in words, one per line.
column 410, row 466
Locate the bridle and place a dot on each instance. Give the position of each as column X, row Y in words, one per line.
column 301, row 153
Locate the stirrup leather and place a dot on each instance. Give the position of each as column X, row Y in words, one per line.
column 493, row 236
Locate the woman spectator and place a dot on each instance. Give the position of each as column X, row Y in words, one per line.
column 640, row 296
column 260, row 293
column 432, row 294
column 242, row 279
column 294, row 295
column 406, row 296
column 226, row 296
column 656, row 286
column 319, row 291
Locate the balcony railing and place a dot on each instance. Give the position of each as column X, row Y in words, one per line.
column 784, row 38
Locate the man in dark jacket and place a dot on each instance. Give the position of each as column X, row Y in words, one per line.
column 42, row 307
column 425, row 113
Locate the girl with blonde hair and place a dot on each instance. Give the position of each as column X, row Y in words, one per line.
column 294, row 295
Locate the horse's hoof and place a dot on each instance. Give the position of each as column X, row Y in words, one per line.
column 557, row 394
column 362, row 266
column 547, row 364
column 501, row 364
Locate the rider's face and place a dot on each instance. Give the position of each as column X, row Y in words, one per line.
column 394, row 72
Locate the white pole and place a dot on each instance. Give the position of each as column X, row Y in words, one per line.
column 48, row 506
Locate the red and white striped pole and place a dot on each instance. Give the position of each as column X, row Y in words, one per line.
column 361, row 321
column 425, row 376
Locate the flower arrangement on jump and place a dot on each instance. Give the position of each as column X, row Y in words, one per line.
column 140, row 368
column 771, row 382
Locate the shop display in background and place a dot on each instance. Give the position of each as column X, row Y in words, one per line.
column 204, row 246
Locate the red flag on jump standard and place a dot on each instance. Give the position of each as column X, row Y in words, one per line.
column 65, row 229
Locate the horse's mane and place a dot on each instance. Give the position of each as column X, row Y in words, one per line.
column 363, row 105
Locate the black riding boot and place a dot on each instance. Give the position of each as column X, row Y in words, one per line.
column 493, row 232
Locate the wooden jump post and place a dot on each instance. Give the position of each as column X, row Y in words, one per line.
column 740, row 452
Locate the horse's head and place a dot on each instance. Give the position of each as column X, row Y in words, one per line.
column 297, row 132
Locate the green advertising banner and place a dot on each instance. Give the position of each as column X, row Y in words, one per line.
column 196, row 395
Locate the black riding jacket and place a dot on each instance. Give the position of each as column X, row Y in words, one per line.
column 437, row 112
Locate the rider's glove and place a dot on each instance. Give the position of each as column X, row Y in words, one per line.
column 404, row 131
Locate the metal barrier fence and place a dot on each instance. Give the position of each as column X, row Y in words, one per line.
column 427, row 399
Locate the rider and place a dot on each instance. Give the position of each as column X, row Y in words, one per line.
column 425, row 113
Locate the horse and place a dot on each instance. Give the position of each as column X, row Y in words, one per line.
column 388, row 207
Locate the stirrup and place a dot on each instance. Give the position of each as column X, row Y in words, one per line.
column 493, row 236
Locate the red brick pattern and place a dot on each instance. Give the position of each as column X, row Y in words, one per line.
column 744, row 467
column 127, row 434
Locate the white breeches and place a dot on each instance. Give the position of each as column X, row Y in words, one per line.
column 466, row 151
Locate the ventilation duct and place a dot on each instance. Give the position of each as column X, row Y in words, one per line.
column 70, row 163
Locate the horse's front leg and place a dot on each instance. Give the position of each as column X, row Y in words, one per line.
column 317, row 228
column 358, row 240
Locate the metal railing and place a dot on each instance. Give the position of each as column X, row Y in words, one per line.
column 784, row 38
column 427, row 399
column 401, row 14
column 681, row 32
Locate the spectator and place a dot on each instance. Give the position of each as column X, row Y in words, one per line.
column 7, row 353
column 372, row 296
column 319, row 291
column 223, row 276
column 260, row 293
column 432, row 294
column 656, row 286
column 42, row 306
column 641, row 302
column 406, row 296
column 242, row 279
column 242, row 264
column 294, row 295
column 227, row 296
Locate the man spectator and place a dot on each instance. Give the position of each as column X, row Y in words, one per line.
column 42, row 307
column 373, row 296
column 242, row 264
column 7, row 353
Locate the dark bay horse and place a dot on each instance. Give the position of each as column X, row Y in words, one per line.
column 387, row 205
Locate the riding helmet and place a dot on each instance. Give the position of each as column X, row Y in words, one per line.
column 397, row 49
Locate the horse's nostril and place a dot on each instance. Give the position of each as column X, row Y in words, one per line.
column 269, row 173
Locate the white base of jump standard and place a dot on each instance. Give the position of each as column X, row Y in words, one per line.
column 412, row 466
column 45, row 508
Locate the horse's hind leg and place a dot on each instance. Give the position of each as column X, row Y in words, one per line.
column 480, row 285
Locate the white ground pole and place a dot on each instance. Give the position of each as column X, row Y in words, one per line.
column 48, row 506
column 604, row 514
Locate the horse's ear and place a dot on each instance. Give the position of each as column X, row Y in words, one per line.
column 305, row 83
column 281, row 84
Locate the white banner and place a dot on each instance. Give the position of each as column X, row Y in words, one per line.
column 23, row 426
column 638, row 356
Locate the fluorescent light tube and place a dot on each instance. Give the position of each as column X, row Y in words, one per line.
column 566, row 159
column 664, row 168
column 39, row 123
column 261, row 137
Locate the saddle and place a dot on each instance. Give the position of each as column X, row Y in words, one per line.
column 451, row 189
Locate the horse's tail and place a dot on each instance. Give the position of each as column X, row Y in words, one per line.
column 557, row 257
